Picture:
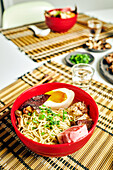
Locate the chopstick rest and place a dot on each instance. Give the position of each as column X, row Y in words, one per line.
column 39, row 32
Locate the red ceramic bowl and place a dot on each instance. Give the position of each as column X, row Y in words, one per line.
column 57, row 150
column 58, row 24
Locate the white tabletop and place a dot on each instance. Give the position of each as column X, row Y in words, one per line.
column 14, row 63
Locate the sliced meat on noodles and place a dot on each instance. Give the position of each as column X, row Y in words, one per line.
column 72, row 134
column 87, row 122
column 35, row 101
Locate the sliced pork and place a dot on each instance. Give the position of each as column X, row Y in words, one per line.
column 35, row 101
column 72, row 134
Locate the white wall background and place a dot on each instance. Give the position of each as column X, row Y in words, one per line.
column 83, row 5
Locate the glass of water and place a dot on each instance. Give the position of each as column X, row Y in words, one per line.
column 82, row 75
column 95, row 28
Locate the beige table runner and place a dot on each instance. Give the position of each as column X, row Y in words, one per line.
column 44, row 48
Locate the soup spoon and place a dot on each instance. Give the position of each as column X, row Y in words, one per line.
column 39, row 32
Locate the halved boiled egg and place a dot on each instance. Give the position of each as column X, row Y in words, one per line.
column 60, row 98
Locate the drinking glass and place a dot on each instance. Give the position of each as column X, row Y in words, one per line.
column 82, row 75
column 95, row 28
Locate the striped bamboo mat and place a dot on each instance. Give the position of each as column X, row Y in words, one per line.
column 54, row 44
column 95, row 155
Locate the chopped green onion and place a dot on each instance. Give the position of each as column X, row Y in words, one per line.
column 49, row 110
column 41, row 116
column 71, row 120
column 44, row 105
column 58, row 122
column 29, row 114
column 42, row 111
column 40, row 108
column 53, row 114
column 59, row 114
column 34, row 121
column 65, row 112
column 64, row 117
column 53, row 122
column 34, row 113
column 80, row 58
column 49, row 118
column 42, row 133
column 46, row 125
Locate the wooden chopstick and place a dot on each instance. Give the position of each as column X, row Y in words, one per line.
column 7, row 105
column 46, row 78
column 54, row 79
column 41, row 82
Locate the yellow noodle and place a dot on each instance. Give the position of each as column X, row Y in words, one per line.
column 38, row 132
column 41, row 130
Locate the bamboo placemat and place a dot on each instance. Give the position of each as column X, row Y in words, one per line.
column 95, row 155
column 54, row 44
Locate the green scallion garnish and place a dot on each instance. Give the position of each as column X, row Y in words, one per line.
column 41, row 116
column 34, row 121
column 42, row 133
column 44, row 105
column 29, row 114
column 64, row 117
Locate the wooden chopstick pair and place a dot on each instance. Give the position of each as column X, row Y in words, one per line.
column 50, row 79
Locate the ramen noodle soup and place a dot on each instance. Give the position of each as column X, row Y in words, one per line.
column 54, row 118
column 63, row 13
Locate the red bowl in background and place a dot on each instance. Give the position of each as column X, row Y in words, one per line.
column 57, row 150
column 59, row 24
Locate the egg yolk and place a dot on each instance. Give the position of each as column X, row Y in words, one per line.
column 57, row 96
